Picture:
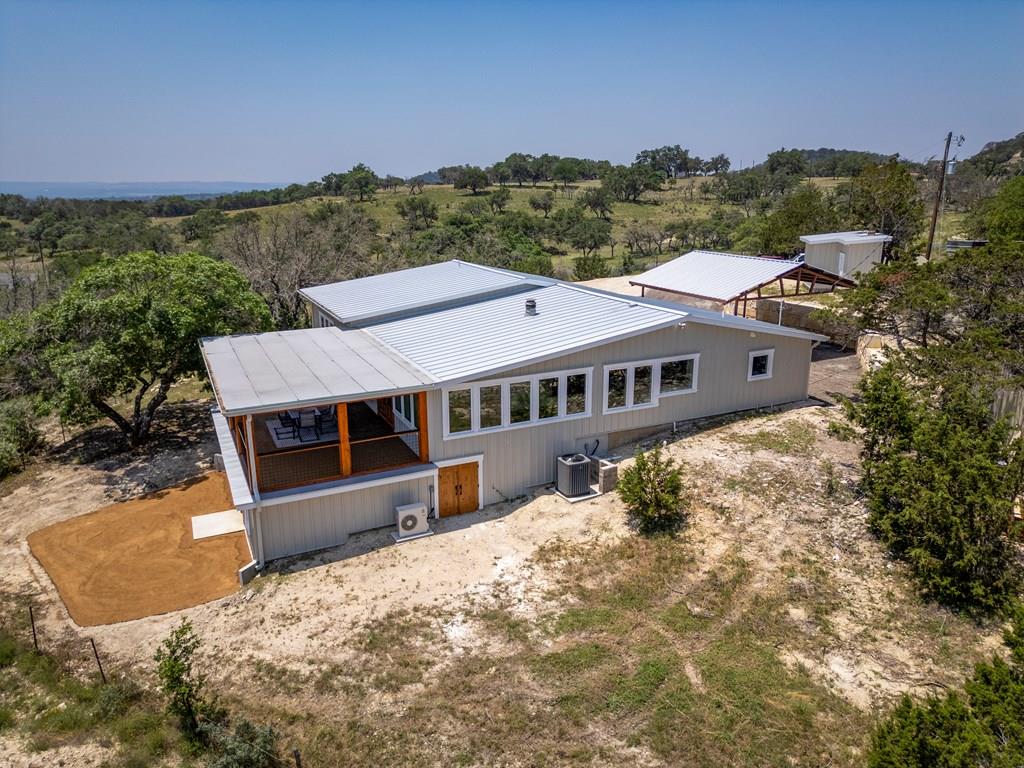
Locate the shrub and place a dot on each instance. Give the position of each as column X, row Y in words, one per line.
column 115, row 699
column 652, row 490
column 180, row 682
column 245, row 746
column 19, row 435
column 940, row 476
column 983, row 725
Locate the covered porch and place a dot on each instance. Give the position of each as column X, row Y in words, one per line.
column 313, row 406
column 299, row 447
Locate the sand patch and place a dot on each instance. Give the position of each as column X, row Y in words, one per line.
column 138, row 558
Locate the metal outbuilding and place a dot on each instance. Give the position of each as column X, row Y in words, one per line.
column 714, row 280
column 845, row 253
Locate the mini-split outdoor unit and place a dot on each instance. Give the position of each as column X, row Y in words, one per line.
column 412, row 522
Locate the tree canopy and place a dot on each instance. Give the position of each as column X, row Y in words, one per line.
column 124, row 332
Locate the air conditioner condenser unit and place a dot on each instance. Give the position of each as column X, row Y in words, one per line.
column 411, row 520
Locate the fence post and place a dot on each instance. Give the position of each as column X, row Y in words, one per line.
column 96, row 654
column 32, row 619
column 298, row 758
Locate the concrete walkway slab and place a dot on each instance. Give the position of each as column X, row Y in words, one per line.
column 217, row 524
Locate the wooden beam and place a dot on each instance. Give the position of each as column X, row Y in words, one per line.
column 344, row 447
column 421, row 414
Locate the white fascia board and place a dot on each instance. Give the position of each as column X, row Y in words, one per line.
column 287, row 497
column 318, row 401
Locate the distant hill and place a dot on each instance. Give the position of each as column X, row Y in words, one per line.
column 129, row 190
column 826, row 161
column 430, row 177
column 998, row 159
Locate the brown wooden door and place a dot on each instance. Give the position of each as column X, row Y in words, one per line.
column 447, row 498
column 458, row 489
column 468, row 487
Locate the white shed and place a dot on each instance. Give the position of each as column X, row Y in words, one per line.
column 844, row 253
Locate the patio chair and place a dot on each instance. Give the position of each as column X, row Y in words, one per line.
column 327, row 420
column 308, row 421
column 289, row 427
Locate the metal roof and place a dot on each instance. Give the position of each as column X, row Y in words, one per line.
column 238, row 482
column 460, row 343
column 317, row 366
column 846, row 238
column 352, row 301
column 313, row 366
column 714, row 275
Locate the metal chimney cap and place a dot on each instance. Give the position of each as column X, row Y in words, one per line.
column 531, row 306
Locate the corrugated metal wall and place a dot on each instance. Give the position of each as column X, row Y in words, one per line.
column 860, row 257
column 517, row 459
column 327, row 521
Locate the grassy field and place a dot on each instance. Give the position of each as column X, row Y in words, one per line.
column 680, row 199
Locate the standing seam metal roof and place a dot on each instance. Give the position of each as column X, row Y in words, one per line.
column 714, row 275
column 313, row 366
column 466, row 342
column 408, row 289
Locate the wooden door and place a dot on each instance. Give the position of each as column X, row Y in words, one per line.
column 468, row 487
column 458, row 489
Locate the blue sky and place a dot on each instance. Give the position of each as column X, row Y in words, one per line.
column 287, row 91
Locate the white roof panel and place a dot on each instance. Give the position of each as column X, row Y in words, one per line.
column 314, row 366
column 713, row 275
column 391, row 293
column 461, row 343
column 846, row 238
column 238, row 482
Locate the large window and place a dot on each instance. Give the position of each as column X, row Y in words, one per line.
column 517, row 402
column 459, row 413
column 759, row 364
column 641, row 384
column 490, row 406
column 547, row 398
column 519, row 393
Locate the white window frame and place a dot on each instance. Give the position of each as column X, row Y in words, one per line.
column 506, row 402
column 398, row 406
column 656, row 393
column 750, row 364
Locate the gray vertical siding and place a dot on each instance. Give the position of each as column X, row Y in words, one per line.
column 327, row 521
column 517, row 459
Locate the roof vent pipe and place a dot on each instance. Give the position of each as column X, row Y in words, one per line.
column 531, row 306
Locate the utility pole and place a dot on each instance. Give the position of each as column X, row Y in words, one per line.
column 938, row 198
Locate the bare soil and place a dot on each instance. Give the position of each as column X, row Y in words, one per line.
column 138, row 558
column 776, row 556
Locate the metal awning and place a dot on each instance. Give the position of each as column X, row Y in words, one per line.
column 314, row 366
column 724, row 277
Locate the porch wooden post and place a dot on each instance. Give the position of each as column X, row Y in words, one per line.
column 344, row 447
column 424, row 437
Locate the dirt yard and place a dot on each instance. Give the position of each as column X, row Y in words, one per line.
column 771, row 631
column 138, row 558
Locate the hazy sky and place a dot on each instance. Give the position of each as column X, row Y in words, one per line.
column 287, row 91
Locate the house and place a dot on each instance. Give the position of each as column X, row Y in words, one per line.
column 457, row 386
column 731, row 281
column 845, row 253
